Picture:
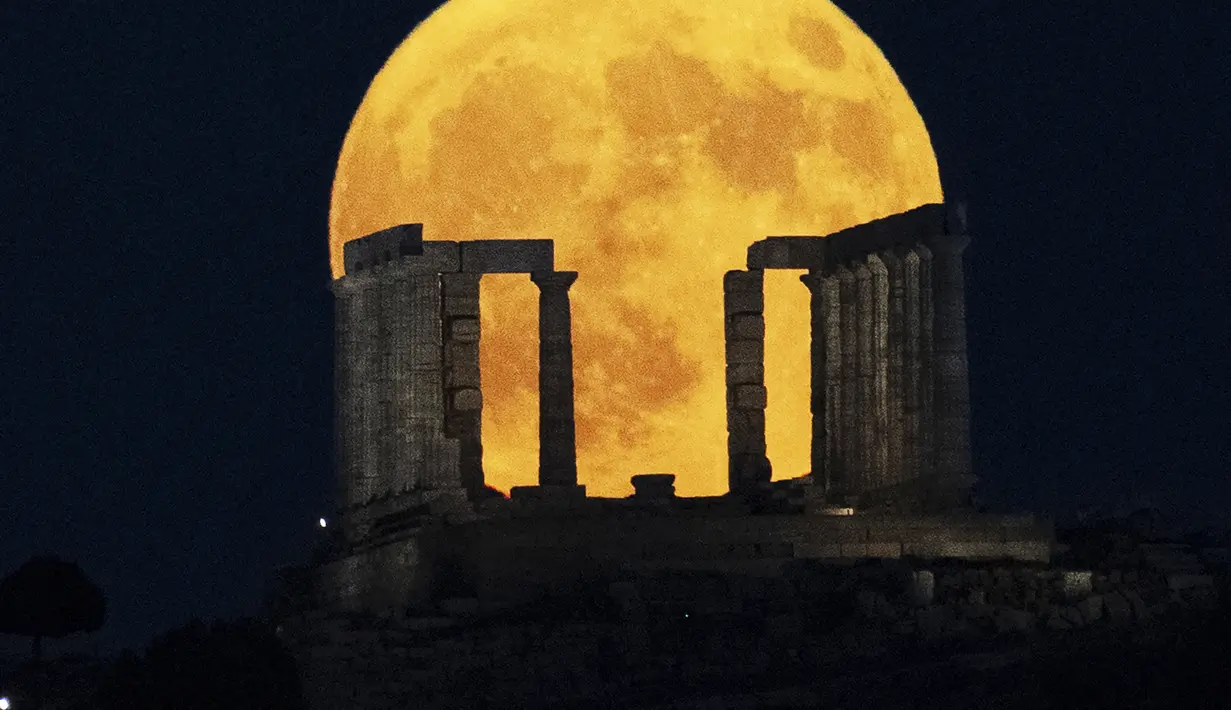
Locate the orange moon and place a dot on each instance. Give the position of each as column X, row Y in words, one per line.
column 653, row 142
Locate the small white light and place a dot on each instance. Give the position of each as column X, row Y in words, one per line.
column 5, row 704
column 324, row 523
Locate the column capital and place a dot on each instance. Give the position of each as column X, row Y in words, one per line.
column 814, row 280
column 553, row 280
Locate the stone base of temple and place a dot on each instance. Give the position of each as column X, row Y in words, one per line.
column 511, row 552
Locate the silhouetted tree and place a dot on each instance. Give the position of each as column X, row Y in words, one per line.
column 48, row 597
column 237, row 665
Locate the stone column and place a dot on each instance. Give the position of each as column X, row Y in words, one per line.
column 818, row 381
column 744, row 326
column 557, row 430
column 927, row 419
column 432, row 460
column 895, row 342
column 849, row 297
column 866, row 378
column 835, row 467
column 347, row 389
column 880, row 372
column 954, row 477
column 369, row 345
column 463, row 391
column 912, row 443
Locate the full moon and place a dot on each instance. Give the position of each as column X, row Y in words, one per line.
column 653, row 142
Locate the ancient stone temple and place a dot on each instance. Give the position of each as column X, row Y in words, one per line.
column 891, row 467
column 407, row 383
column 890, row 396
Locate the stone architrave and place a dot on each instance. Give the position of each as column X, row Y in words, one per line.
column 865, row 413
column 463, row 386
column 818, row 382
column 835, row 468
column 950, row 368
column 895, row 342
column 557, row 432
column 744, row 326
column 849, row 297
column 927, row 420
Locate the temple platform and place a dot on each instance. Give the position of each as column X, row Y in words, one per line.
column 514, row 551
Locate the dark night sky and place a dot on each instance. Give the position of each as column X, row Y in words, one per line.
column 165, row 324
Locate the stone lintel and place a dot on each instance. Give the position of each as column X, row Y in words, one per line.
column 802, row 252
column 507, row 256
column 382, row 247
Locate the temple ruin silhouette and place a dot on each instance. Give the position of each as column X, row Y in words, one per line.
column 890, row 459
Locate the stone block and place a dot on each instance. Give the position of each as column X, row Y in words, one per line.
column 922, row 587
column 465, row 330
column 750, row 397
column 746, row 373
column 438, row 256
column 751, row 281
column 462, row 375
column 746, row 425
column 654, row 485
column 507, row 256
column 1078, row 584
column 382, row 247
column 548, row 493
column 1091, row 608
column 818, row 550
column 460, row 353
column 1117, row 607
column 1135, row 602
column 745, row 326
column 459, row 306
column 886, row 550
column 458, row 284
column 803, row 252
column 737, row 302
column 466, row 400
column 745, row 352
column 1009, row 620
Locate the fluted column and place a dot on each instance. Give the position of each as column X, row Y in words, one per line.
column 368, row 361
column 927, row 409
column 912, row 443
column 952, row 396
column 880, row 372
column 817, row 337
column 895, row 342
column 347, row 389
column 557, row 430
column 744, row 328
column 849, row 375
column 866, row 377
column 835, row 468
